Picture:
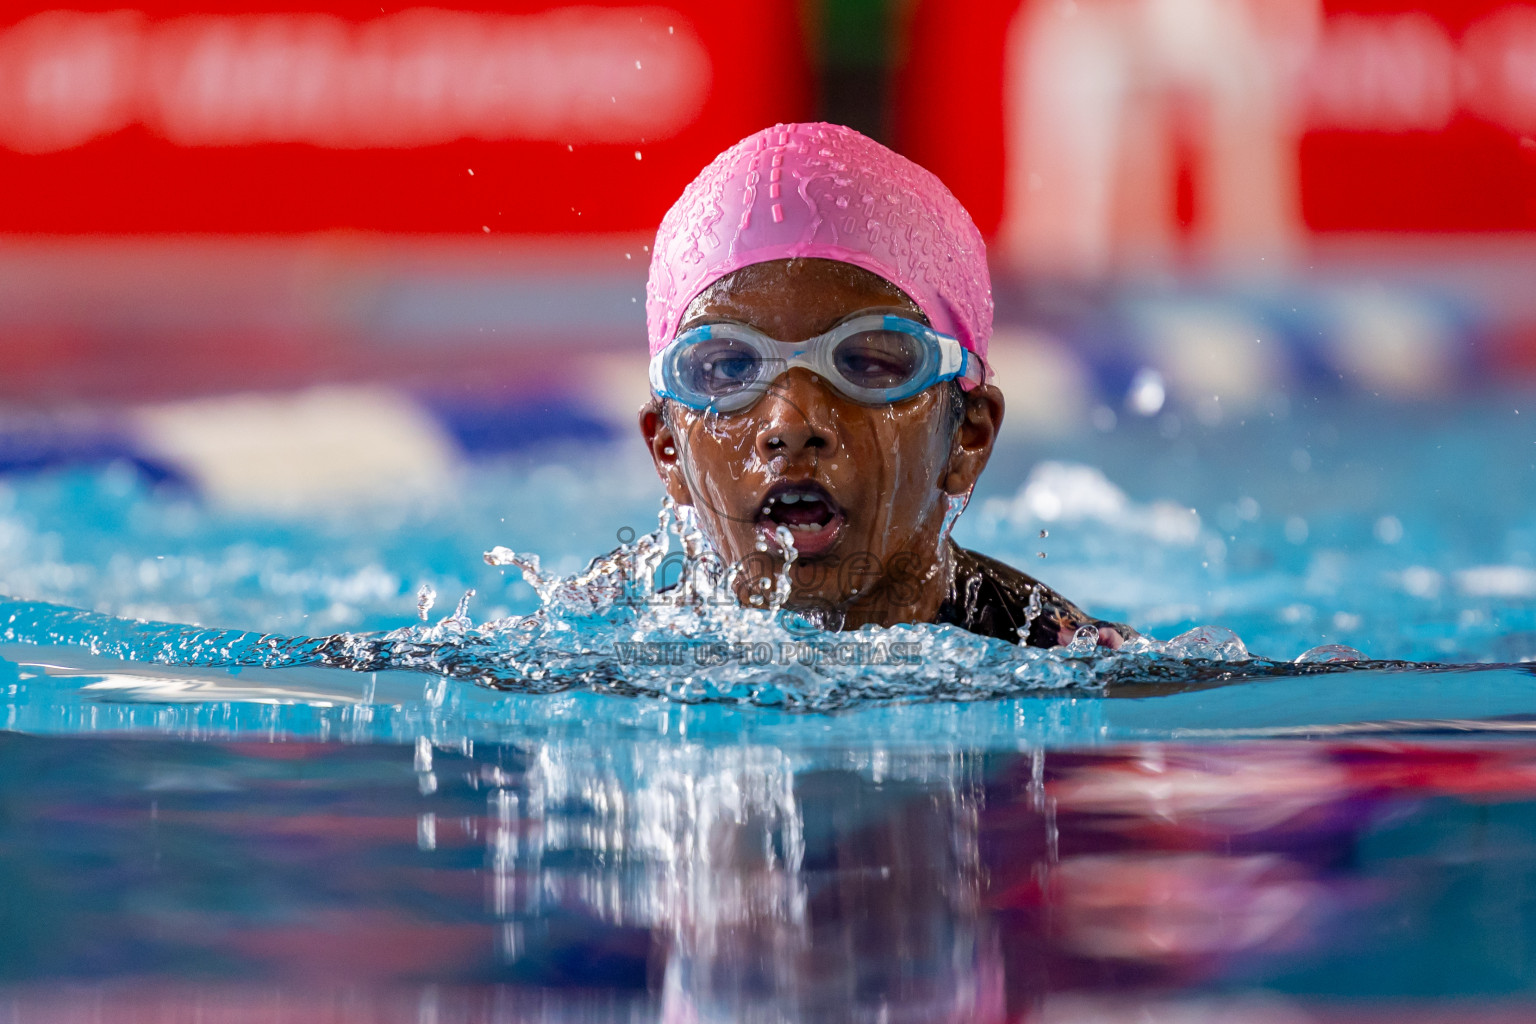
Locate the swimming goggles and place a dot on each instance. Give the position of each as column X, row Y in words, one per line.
column 875, row 360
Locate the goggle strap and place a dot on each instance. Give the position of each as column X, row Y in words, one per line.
column 955, row 359
column 658, row 384
column 972, row 368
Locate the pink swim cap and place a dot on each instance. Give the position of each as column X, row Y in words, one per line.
column 826, row 191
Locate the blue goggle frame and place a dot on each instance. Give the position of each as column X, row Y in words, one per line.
column 942, row 358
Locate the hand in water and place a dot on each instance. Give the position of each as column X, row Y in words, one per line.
column 1109, row 636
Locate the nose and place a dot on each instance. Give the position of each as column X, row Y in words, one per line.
column 795, row 418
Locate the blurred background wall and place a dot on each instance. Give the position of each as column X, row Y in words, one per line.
column 218, row 221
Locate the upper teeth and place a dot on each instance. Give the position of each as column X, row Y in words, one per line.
column 791, row 497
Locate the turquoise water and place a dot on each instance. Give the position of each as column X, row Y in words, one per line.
column 1404, row 530
column 240, row 766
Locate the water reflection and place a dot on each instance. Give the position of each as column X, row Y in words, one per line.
column 681, row 882
column 949, row 886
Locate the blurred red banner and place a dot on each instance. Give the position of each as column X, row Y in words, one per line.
column 523, row 117
column 1080, row 130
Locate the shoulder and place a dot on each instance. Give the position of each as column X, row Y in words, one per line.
column 968, row 561
column 992, row 598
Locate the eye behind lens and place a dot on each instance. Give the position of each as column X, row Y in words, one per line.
column 879, row 360
column 719, row 366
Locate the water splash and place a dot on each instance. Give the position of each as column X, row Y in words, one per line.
column 955, row 505
column 425, row 598
column 664, row 616
column 1084, row 642
column 1032, row 611
column 1211, row 643
column 1330, row 653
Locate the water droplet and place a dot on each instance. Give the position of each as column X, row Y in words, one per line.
column 1084, row 641
column 955, row 506
column 1031, row 613
column 1211, row 643
column 461, row 612
column 1327, row 653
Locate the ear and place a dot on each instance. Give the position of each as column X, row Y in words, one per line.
column 666, row 453
column 974, row 438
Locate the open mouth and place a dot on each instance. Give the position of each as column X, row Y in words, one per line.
column 809, row 512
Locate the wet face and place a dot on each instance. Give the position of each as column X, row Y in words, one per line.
column 863, row 489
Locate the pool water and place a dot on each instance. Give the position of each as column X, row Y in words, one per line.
column 242, row 771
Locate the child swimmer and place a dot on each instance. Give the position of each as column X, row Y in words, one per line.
column 819, row 309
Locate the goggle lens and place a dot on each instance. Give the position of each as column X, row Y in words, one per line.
column 874, row 359
column 719, row 367
column 879, row 360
